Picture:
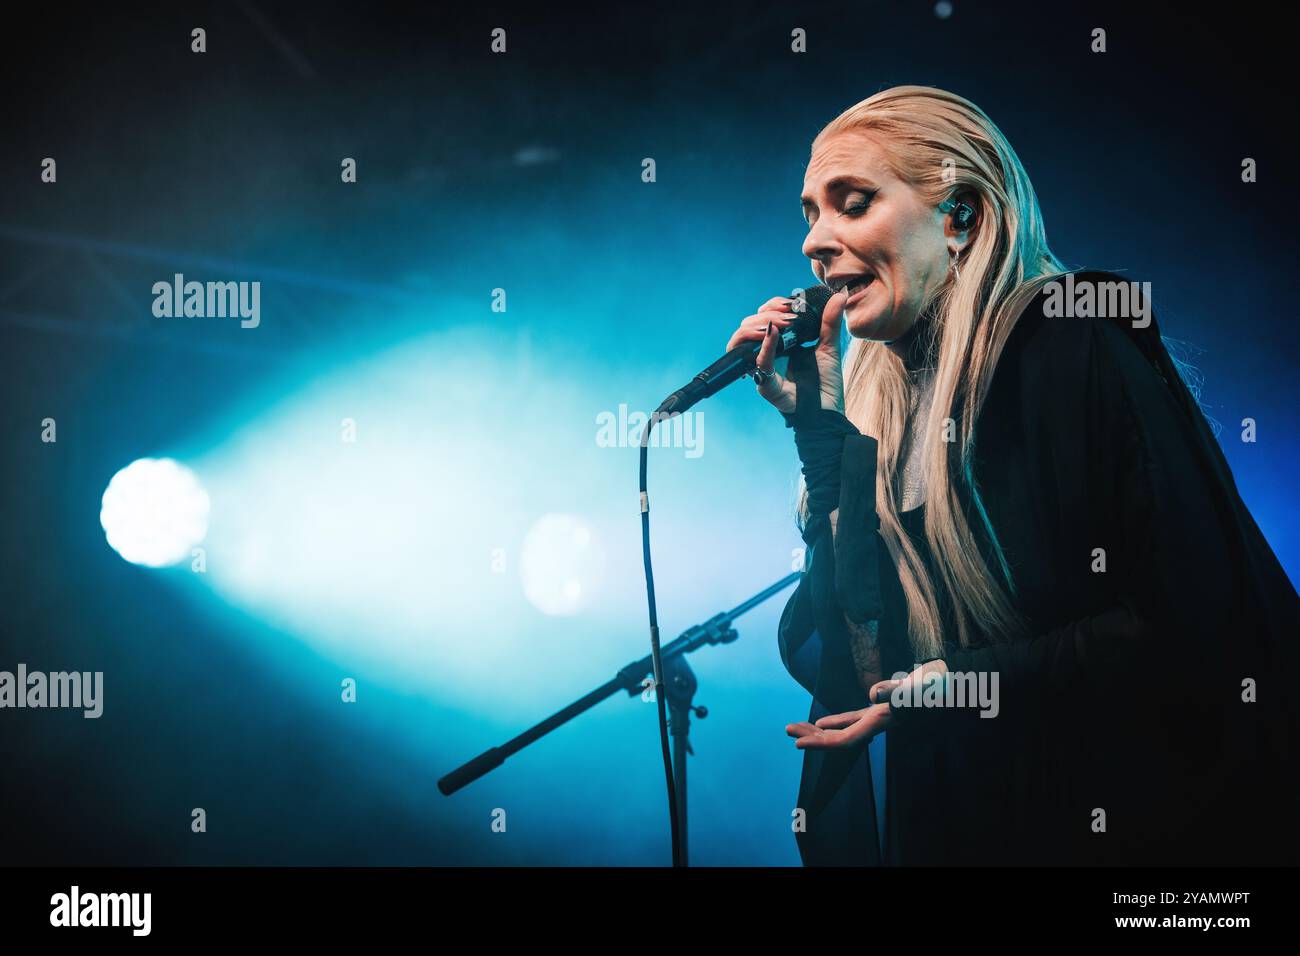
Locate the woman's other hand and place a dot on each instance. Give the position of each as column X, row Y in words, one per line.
column 856, row 727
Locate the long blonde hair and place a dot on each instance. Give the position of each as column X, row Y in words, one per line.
column 942, row 145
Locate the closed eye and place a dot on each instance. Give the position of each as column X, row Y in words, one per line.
column 858, row 208
column 853, row 209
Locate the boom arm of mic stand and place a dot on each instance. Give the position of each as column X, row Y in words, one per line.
column 716, row 630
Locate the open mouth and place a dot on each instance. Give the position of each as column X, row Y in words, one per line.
column 853, row 285
column 857, row 285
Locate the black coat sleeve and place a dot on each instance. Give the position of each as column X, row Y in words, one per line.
column 841, row 579
column 1155, row 684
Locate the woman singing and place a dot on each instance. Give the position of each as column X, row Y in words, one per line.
column 1009, row 488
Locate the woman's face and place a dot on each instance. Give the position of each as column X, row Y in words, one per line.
column 871, row 229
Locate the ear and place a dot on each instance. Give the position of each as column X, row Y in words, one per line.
column 957, row 236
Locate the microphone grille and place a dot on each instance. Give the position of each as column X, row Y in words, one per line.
column 808, row 327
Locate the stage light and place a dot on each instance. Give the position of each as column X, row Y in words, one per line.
column 154, row 511
column 560, row 564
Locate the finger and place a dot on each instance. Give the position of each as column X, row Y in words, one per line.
column 880, row 691
column 930, row 672
column 780, row 302
column 801, row 729
column 754, row 327
column 761, row 319
column 835, row 721
column 777, row 320
column 867, row 726
column 831, row 316
column 767, row 354
column 778, row 393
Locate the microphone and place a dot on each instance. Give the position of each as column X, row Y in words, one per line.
column 803, row 332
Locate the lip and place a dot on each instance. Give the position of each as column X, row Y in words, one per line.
column 861, row 292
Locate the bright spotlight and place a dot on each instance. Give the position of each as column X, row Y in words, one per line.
column 560, row 564
column 154, row 511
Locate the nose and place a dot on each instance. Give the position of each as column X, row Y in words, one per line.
column 820, row 245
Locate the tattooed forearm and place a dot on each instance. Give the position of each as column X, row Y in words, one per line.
column 866, row 652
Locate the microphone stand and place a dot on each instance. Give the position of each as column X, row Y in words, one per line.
column 679, row 686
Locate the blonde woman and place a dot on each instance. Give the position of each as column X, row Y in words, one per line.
column 1009, row 489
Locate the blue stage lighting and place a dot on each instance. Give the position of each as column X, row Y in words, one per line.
column 560, row 564
column 154, row 512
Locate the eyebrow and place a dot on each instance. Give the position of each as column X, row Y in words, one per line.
column 836, row 184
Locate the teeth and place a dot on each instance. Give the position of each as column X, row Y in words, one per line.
column 850, row 283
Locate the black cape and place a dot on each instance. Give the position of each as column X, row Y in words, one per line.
column 1150, row 717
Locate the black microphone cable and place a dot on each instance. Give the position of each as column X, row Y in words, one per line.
column 654, row 641
column 812, row 303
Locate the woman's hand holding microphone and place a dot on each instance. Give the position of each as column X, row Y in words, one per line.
column 810, row 396
column 811, row 371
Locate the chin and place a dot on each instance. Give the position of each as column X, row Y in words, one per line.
column 871, row 327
